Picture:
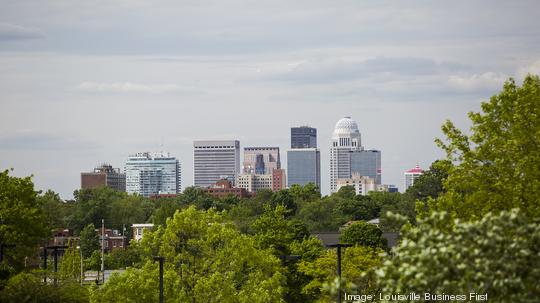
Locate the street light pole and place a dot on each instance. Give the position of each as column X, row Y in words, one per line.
column 82, row 272
column 103, row 249
column 160, row 259
column 339, row 246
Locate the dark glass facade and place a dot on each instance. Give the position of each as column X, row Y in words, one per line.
column 303, row 137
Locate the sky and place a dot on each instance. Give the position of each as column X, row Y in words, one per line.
column 87, row 82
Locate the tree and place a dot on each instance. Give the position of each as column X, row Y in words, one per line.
column 358, row 272
column 496, row 166
column 207, row 260
column 54, row 210
column 89, row 240
column 70, row 264
column 497, row 255
column 22, row 221
column 363, row 233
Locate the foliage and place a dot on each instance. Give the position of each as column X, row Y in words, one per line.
column 123, row 258
column 22, row 221
column 358, row 265
column 89, row 240
column 207, row 260
column 497, row 255
column 496, row 166
column 70, row 264
column 363, row 233
column 54, row 209
column 29, row 287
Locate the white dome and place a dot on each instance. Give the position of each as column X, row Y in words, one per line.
column 346, row 126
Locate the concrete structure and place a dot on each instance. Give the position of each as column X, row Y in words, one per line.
column 139, row 229
column 260, row 160
column 347, row 155
column 303, row 137
column 411, row 175
column 304, row 166
column 253, row 182
column 279, row 179
column 150, row 174
column 104, row 175
column 362, row 184
column 215, row 160
column 224, row 188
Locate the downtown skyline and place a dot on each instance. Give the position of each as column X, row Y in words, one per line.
column 93, row 82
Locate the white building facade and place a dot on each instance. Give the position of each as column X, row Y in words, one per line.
column 411, row 175
column 362, row 184
column 214, row 160
column 150, row 174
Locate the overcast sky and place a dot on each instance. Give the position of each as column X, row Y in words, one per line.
column 86, row 82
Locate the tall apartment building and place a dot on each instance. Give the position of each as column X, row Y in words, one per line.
column 411, row 175
column 303, row 137
column 347, row 155
column 149, row 174
column 104, row 175
column 214, row 160
column 260, row 160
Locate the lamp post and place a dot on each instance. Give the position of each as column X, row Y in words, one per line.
column 339, row 246
column 160, row 259
column 82, row 271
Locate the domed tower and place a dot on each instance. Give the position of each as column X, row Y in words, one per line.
column 346, row 138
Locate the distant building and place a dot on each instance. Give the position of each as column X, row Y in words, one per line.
column 367, row 163
column 215, row 160
column 303, row 137
column 150, row 174
column 362, row 184
column 411, row 175
column 260, row 160
column 224, row 188
column 104, row 175
column 347, row 155
column 279, row 179
column 387, row 188
column 139, row 229
column 113, row 239
column 304, row 166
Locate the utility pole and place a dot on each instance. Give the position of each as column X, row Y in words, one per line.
column 160, row 259
column 103, row 249
column 339, row 246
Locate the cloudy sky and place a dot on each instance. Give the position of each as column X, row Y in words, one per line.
column 85, row 82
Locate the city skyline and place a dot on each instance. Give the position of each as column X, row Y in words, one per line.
column 86, row 83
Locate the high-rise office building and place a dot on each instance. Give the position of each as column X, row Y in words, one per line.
column 260, row 160
column 304, row 166
column 347, row 155
column 411, row 175
column 303, row 137
column 104, row 175
column 149, row 174
column 215, row 160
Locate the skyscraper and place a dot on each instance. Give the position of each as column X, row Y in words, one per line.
column 304, row 166
column 260, row 160
column 411, row 175
column 215, row 160
column 104, row 175
column 303, row 137
column 304, row 158
column 347, row 155
column 149, row 174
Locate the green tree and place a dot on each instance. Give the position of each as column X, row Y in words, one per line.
column 29, row 287
column 358, row 272
column 22, row 221
column 207, row 260
column 70, row 264
column 363, row 233
column 497, row 255
column 496, row 166
column 54, row 210
column 89, row 240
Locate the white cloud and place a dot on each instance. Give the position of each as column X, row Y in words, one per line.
column 533, row 68
column 128, row 87
column 488, row 81
column 16, row 32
